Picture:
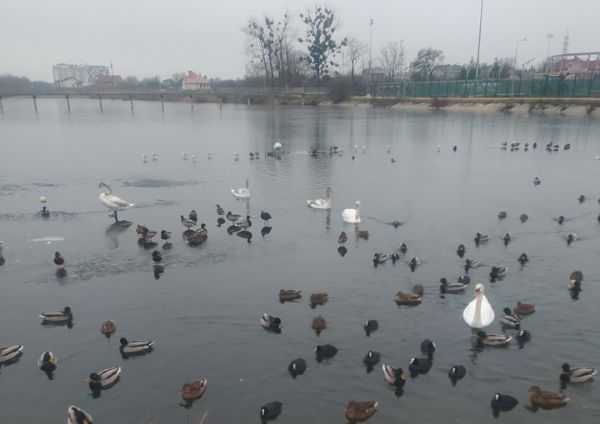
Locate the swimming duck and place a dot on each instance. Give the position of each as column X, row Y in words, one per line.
column 450, row 288
column 63, row 316
column 265, row 216
column 10, row 353
column 193, row 216
column 560, row 219
column 76, row 415
column 523, row 259
column 503, row 403
column 481, row 238
column 113, row 202
column 371, row 358
column 471, row 263
column 371, row 326
column 191, row 392
column 297, row 367
column 523, row 337
column 352, row 216
column 321, row 203
column 187, row 223
column 506, row 239
column 104, row 379
column 457, row 372
column 576, row 374
column 363, row 234
column 461, row 250
column 537, row 181
column 197, row 237
column 393, row 376
column 546, row 399
column 45, row 213
column 571, row 238
column 411, row 298
column 395, row 257
column 271, row 323
column 242, row 192
column 484, row 339
column 108, row 327
column 270, row 411
column 524, row 309
column 318, row 324
column 325, row 352
column 576, row 276
column 403, row 248
column 581, row 198
column 318, row 299
column 414, row 263
column 232, row 217
column 165, row 235
column 156, row 257
column 567, row 146
column 534, row 145
column 479, row 312
column 360, row 411
column 510, row 320
column 289, row 294
column 245, row 223
column 502, row 214
column 220, row 211
column 523, row 217
column 134, row 347
column 379, row 258
column 419, row 366
column 428, row 347
column 343, row 238
column 47, row 362
column 497, row 273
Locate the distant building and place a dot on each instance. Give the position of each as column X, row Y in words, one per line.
column 573, row 63
column 109, row 81
column 69, row 82
column 193, row 81
column 377, row 75
column 446, row 72
column 86, row 74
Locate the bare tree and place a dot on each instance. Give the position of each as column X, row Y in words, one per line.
column 426, row 61
column 392, row 57
column 355, row 50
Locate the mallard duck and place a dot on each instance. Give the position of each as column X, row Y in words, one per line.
column 165, row 235
column 47, row 362
column 270, row 322
column 481, row 238
column 403, row 248
column 156, row 257
column 297, row 367
column 576, row 374
column 581, row 198
column 372, row 358
column 360, row 411
column 414, row 263
column 135, row 346
column 446, row 287
column 419, row 366
column 232, row 217
column 10, row 353
column 197, row 237
column 59, row 261
column 187, row 223
column 502, row 402
column 76, row 415
column 471, row 263
column 63, row 316
column 428, row 347
column 576, row 276
column 546, row 399
column 523, row 337
column 318, row 299
column 413, row 297
column 371, row 326
column 148, row 234
column 318, row 324
column 571, row 237
column 108, row 327
column 457, row 372
column 325, row 351
column 343, row 238
column 265, row 216
column 363, row 234
column 523, row 217
column 104, row 379
column 321, row 203
column 524, row 309
column 395, row 257
column 270, row 411
column 220, row 211
column 379, row 258
column 393, row 376
column 484, row 339
column 461, row 250
column 289, row 294
column 510, row 320
column 191, row 392
column 242, row 192
column 497, row 273
column 247, row 223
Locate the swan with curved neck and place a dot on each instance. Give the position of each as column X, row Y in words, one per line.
column 113, row 202
column 352, row 216
column 321, row 203
column 242, row 192
column 479, row 312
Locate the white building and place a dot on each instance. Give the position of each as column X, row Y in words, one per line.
column 85, row 74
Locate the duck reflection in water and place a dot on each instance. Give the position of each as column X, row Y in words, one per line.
column 245, row 234
column 342, row 251
column 158, row 270
column 265, row 230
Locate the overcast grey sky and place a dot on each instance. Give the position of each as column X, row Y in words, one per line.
column 160, row 37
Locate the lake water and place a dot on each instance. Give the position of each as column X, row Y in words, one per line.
column 205, row 309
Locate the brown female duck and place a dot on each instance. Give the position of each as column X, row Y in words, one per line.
column 546, row 399
column 360, row 411
column 413, row 297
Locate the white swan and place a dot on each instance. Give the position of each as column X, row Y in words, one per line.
column 242, row 192
column 277, row 146
column 321, row 203
column 352, row 216
column 479, row 312
column 113, row 202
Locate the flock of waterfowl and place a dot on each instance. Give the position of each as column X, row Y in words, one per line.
column 477, row 315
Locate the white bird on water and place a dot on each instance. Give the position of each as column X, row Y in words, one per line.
column 479, row 312
column 113, row 202
column 321, row 203
column 352, row 216
column 277, row 146
column 242, row 192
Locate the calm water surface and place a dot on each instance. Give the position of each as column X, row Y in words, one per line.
column 205, row 309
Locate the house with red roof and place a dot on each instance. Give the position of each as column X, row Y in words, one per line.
column 194, row 81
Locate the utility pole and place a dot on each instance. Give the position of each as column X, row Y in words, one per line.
column 478, row 44
column 370, row 58
column 550, row 36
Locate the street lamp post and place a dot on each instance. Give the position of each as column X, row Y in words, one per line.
column 549, row 37
column 370, row 57
column 478, row 45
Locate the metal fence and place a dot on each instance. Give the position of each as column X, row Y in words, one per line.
column 538, row 87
